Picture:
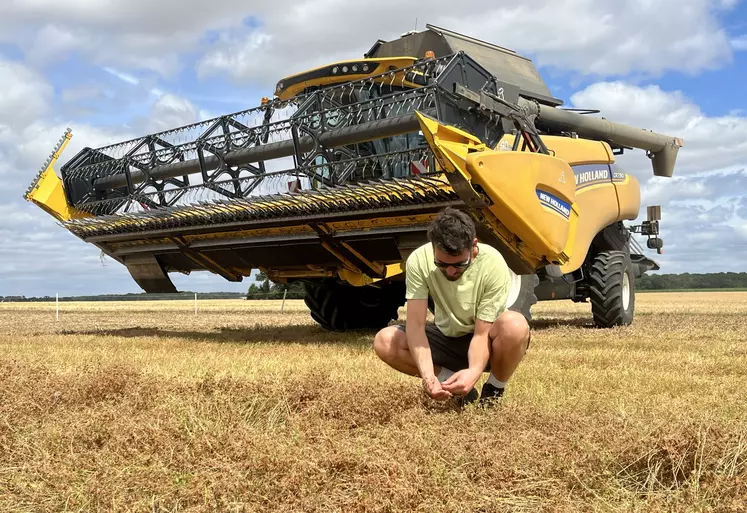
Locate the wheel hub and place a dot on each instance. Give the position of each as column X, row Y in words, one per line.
column 626, row 291
column 515, row 289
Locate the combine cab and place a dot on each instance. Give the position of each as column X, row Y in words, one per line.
column 334, row 182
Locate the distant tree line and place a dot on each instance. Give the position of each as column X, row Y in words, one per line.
column 263, row 288
column 692, row 281
column 129, row 297
column 269, row 290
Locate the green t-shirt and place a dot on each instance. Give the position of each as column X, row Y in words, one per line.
column 480, row 293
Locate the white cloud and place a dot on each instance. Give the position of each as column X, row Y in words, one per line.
column 24, row 95
column 703, row 212
column 703, row 234
column 605, row 38
column 29, row 129
column 170, row 111
column 742, row 208
column 65, row 41
column 664, row 190
column 37, row 256
column 710, row 187
column 124, row 77
column 711, row 142
column 138, row 35
column 236, row 54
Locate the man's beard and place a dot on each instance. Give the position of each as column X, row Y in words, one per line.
column 452, row 278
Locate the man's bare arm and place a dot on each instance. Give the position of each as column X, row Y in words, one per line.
column 420, row 350
column 479, row 354
column 479, row 347
column 416, row 339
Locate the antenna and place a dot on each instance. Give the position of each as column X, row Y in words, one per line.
column 416, row 24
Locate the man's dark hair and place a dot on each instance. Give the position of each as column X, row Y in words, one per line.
column 452, row 231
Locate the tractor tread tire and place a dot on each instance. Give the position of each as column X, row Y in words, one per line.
column 340, row 307
column 606, row 289
column 527, row 297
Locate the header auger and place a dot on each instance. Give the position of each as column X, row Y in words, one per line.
column 335, row 180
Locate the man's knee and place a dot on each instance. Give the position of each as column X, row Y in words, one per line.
column 386, row 342
column 510, row 329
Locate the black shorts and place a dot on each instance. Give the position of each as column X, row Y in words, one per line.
column 450, row 352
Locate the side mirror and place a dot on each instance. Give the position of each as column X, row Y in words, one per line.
column 654, row 213
column 655, row 243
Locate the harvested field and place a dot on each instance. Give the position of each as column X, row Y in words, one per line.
column 145, row 406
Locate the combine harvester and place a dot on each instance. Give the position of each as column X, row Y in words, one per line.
column 335, row 180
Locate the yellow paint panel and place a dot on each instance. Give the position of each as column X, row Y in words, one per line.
column 339, row 227
column 360, row 279
column 384, row 65
column 49, row 194
column 47, row 191
column 598, row 204
column 629, row 197
column 597, row 208
column 573, row 151
column 533, row 196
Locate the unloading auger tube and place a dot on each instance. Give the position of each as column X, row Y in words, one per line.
column 662, row 149
column 369, row 163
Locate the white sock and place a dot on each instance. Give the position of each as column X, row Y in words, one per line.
column 494, row 381
column 444, row 374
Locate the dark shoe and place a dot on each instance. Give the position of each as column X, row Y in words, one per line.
column 463, row 400
column 490, row 394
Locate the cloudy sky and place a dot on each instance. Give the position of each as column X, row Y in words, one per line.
column 111, row 70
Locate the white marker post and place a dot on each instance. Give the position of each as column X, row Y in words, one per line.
column 282, row 306
column 57, row 302
column 195, row 303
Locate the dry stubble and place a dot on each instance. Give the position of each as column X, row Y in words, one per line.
column 147, row 406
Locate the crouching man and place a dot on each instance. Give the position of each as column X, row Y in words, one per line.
column 469, row 283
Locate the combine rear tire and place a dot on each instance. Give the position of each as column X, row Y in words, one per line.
column 522, row 296
column 340, row 307
column 612, row 289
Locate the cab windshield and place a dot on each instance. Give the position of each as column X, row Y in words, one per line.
column 386, row 166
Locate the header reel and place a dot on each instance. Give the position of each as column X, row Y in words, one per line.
column 347, row 133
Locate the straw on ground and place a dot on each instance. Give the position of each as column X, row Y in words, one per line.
column 146, row 406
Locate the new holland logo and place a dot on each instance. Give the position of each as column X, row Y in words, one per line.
column 595, row 175
column 554, row 203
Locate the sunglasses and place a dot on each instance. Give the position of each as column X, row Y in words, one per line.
column 458, row 265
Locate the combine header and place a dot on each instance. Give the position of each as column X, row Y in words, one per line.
column 335, row 180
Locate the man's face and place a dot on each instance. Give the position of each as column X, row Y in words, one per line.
column 454, row 266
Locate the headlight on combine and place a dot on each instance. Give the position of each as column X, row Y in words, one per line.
column 351, row 68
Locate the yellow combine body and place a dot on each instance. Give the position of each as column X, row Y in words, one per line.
column 378, row 147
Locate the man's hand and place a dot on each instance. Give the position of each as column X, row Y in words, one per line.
column 479, row 354
column 434, row 389
column 460, row 383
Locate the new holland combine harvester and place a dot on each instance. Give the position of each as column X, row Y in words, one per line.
column 335, row 179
